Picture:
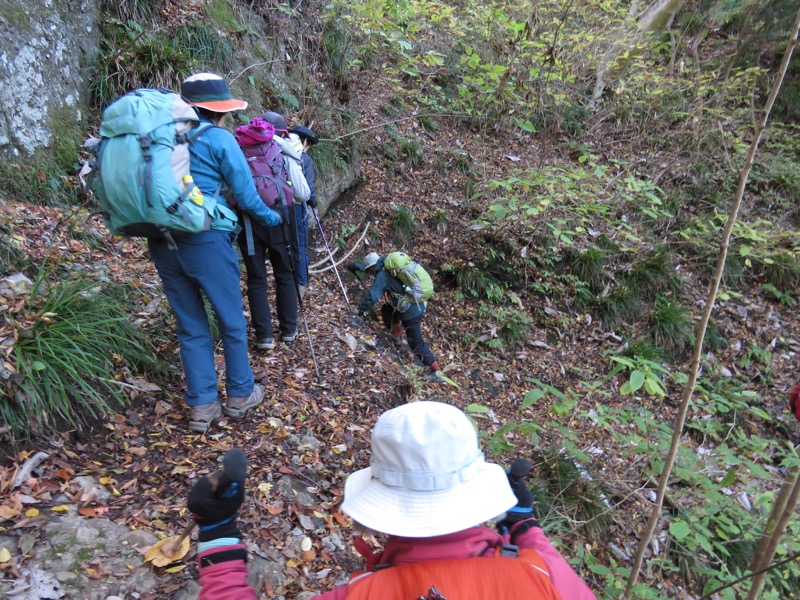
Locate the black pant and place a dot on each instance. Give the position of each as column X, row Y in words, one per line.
column 413, row 329
column 269, row 241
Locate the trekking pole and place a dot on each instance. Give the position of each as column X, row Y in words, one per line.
column 330, row 254
column 287, row 222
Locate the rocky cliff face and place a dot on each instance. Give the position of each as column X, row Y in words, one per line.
column 48, row 51
column 45, row 49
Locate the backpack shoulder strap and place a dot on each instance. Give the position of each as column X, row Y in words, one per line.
column 194, row 134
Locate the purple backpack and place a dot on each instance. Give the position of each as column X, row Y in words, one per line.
column 266, row 162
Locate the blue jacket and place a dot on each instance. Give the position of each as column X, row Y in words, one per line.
column 216, row 158
column 384, row 283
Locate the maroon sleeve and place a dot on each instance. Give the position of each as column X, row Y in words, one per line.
column 226, row 580
column 564, row 578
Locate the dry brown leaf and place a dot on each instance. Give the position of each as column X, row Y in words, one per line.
column 162, row 553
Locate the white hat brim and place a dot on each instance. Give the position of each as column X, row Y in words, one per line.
column 407, row 513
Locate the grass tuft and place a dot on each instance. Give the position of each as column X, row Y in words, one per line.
column 620, row 304
column 469, row 279
column 588, row 266
column 410, row 150
column 670, row 327
column 654, row 274
column 402, row 223
column 441, row 221
column 70, row 341
column 783, row 272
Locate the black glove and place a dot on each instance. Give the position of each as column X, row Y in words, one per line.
column 312, row 202
column 283, row 212
column 523, row 510
column 352, row 267
column 215, row 513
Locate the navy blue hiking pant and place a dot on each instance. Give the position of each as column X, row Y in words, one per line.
column 413, row 329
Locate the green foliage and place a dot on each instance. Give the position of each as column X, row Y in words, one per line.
column 470, row 280
column 347, row 229
column 136, row 10
column 587, row 265
column 669, row 326
column 508, row 327
column 654, row 274
column 328, row 158
column 782, row 270
column 221, row 13
column 74, row 338
column 337, row 45
column 206, row 46
column 402, row 223
column 42, row 179
column 410, row 150
column 643, row 373
column 131, row 57
column 618, row 304
column 784, row 298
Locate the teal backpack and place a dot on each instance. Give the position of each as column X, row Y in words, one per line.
column 141, row 164
column 418, row 284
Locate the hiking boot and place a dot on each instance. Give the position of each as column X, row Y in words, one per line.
column 289, row 337
column 265, row 344
column 202, row 416
column 236, row 406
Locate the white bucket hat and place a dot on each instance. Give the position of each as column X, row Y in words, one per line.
column 371, row 259
column 428, row 476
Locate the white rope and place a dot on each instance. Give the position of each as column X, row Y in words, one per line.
column 344, row 258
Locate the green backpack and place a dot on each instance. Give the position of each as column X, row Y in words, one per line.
column 141, row 164
column 418, row 284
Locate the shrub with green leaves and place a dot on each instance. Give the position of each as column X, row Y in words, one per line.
column 71, row 341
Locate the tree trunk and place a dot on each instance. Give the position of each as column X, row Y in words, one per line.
column 694, row 369
column 782, row 512
column 655, row 19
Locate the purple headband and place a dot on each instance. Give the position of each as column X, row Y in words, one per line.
column 258, row 131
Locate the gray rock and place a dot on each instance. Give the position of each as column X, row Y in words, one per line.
column 294, row 491
column 261, row 570
column 90, row 485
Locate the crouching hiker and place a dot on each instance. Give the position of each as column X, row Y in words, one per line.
column 407, row 287
column 428, row 488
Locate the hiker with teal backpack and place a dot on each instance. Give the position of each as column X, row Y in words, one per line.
column 407, row 288
column 189, row 226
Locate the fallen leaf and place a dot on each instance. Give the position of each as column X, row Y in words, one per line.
column 161, row 556
column 60, row 508
column 5, row 555
column 32, row 512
